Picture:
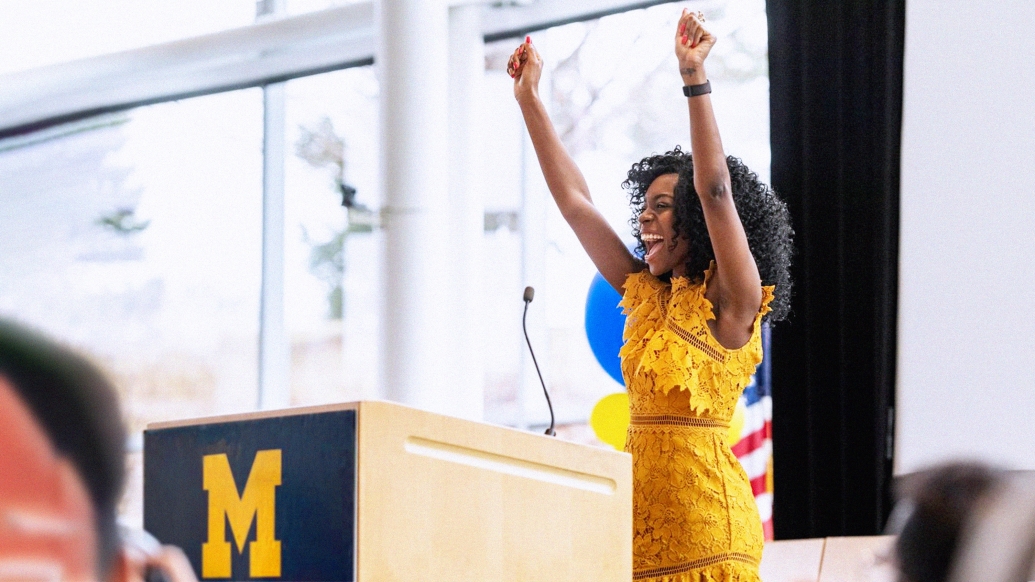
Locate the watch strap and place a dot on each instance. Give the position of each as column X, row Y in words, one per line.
column 695, row 90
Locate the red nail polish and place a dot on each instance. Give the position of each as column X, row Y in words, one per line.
column 685, row 38
column 682, row 27
column 528, row 39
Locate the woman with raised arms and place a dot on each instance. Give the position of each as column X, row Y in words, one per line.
column 716, row 248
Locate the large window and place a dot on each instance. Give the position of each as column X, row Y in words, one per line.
column 137, row 238
column 332, row 250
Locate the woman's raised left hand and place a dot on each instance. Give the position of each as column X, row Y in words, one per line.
column 693, row 43
column 525, row 66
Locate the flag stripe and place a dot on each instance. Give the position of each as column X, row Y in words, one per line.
column 758, row 485
column 750, row 443
column 756, row 462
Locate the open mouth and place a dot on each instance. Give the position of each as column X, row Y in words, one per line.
column 653, row 244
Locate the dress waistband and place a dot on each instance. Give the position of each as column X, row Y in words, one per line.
column 676, row 420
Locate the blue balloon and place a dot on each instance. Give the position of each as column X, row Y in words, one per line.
column 604, row 326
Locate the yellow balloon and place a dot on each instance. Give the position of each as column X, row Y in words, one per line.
column 737, row 422
column 610, row 419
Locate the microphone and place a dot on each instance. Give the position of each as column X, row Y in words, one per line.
column 529, row 294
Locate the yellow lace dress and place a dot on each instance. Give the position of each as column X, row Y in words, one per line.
column 694, row 515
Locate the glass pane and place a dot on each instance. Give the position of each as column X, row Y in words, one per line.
column 503, row 159
column 332, row 251
column 614, row 93
column 45, row 32
column 137, row 238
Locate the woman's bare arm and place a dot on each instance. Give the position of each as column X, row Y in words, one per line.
column 736, row 280
column 563, row 178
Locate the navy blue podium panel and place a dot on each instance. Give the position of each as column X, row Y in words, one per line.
column 257, row 499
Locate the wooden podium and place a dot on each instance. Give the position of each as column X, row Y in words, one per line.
column 375, row 491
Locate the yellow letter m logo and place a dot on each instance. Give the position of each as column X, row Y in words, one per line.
column 258, row 501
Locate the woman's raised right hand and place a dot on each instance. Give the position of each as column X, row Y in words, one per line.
column 525, row 66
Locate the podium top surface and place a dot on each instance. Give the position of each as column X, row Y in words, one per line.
column 295, row 411
column 377, row 407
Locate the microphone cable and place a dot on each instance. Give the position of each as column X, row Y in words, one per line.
column 529, row 294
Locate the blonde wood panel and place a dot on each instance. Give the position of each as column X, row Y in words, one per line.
column 858, row 559
column 443, row 499
column 792, row 560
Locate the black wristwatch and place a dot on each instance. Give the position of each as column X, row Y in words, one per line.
column 695, row 90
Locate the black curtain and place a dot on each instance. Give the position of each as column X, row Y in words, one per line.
column 835, row 70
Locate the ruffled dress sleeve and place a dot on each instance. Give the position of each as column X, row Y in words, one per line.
column 638, row 289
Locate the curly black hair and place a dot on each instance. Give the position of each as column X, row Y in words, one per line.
column 763, row 214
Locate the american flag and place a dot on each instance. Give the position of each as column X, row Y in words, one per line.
column 754, row 447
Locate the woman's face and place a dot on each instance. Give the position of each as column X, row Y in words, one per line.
column 665, row 251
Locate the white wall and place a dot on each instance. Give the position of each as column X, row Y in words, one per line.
column 966, row 344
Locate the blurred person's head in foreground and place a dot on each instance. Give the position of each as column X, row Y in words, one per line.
column 62, row 468
column 937, row 505
column 62, row 462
